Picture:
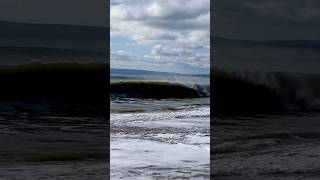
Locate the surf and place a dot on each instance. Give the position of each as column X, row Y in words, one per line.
column 236, row 92
column 157, row 90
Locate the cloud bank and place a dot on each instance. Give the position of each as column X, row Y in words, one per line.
column 174, row 32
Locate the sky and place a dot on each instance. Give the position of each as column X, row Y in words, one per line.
column 160, row 35
column 267, row 20
column 262, row 20
column 70, row 12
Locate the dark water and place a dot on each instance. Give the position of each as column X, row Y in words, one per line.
column 279, row 146
column 268, row 127
column 53, row 121
column 52, row 147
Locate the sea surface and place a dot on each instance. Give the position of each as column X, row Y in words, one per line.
column 52, row 146
column 159, row 138
column 278, row 146
column 257, row 140
column 53, row 121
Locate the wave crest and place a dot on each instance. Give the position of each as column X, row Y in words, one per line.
column 157, row 90
column 258, row 91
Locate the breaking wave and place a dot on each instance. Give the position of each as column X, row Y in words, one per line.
column 158, row 90
column 60, row 88
column 257, row 91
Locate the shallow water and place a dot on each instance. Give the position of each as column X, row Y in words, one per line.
column 52, row 147
column 280, row 146
column 160, row 138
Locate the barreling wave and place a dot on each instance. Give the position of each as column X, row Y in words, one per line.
column 60, row 88
column 157, row 90
column 264, row 92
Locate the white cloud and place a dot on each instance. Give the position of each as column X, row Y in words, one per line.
column 177, row 30
column 160, row 50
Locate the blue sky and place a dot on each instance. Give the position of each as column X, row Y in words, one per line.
column 161, row 35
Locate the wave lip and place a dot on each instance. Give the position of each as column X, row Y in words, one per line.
column 152, row 90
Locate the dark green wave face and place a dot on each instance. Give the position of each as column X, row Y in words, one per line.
column 234, row 96
column 70, row 88
column 149, row 89
column 128, row 83
column 240, row 92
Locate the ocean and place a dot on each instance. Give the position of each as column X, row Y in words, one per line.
column 278, row 146
column 53, row 115
column 160, row 125
column 52, row 147
column 265, row 126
